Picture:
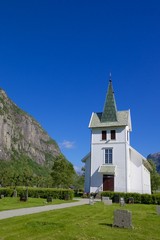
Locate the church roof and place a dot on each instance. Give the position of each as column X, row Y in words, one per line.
column 110, row 117
column 110, row 110
column 142, row 159
column 123, row 119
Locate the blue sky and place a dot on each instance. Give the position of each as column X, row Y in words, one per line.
column 55, row 60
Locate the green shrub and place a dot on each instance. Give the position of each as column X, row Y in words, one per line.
column 146, row 199
column 39, row 192
column 135, row 196
column 78, row 193
column 7, row 192
column 156, row 198
column 138, row 198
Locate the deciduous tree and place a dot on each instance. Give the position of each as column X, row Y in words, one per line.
column 155, row 177
column 62, row 172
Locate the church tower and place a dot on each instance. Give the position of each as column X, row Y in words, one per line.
column 112, row 164
column 109, row 143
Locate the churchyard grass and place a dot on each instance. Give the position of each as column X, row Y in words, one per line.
column 87, row 222
column 8, row 203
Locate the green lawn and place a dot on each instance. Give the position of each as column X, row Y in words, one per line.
column 83, row 223
column 14, row 203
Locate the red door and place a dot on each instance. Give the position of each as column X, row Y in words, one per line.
column 108, row 183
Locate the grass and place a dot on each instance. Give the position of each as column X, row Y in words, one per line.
column 83, row 223
column 8, row 203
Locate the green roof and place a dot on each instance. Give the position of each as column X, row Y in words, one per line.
column 123, row 119
column 110, row 117
column 110, row 110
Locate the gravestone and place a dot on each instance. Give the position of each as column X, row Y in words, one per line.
column 91, row 200
column 49, row 199
column 131, row 200
column 158, row 209
column 106, row 200
column 122, row 219
column 116, row 198
column 23, row 198
column 121, row 201
column 66, row 197
column 15, row 193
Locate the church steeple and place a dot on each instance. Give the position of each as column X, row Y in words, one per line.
column 110, row 110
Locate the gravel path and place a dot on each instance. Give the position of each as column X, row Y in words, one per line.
column 26, row 211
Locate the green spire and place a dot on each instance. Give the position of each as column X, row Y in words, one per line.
column 110, row 110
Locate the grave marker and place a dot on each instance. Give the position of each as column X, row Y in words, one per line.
column 158, row 209
column 121, row 201
column 106, row 200
column 122, row 219
column 91, row 200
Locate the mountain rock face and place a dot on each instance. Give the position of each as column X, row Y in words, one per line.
column 155, row 157
column 21, row 134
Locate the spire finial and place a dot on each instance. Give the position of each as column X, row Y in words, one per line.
column 110, row 77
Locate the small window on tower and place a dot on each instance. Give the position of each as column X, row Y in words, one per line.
column 113, row 134
column 104, row 135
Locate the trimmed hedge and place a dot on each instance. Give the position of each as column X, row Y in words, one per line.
column 7, row 192
column 138, row 198
column 57, row 193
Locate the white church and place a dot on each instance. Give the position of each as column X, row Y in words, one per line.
column 112, row 164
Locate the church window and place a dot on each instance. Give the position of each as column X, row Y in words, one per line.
column 108, row 156
column 104, row 135
column 113, row 134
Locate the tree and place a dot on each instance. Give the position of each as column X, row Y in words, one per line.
column 62, row 172
column 41, row 181
column 78, row 182
column 16, row 177
column 27, row 176
column 155, row 177
column 83, row 170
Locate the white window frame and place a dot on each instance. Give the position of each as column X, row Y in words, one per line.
column 108, row 156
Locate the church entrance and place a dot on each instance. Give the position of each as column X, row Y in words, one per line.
column 108, row 182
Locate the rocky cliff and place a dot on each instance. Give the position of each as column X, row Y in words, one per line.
column 21, row 134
